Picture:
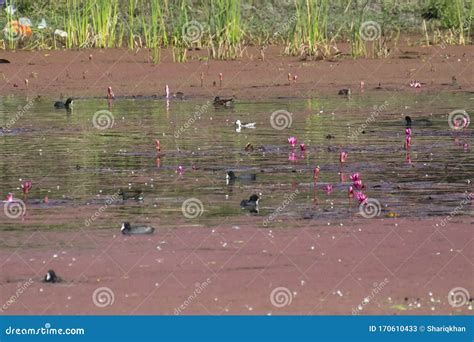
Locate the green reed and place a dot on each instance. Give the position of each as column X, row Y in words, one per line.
column 308, row 28
column 225, row 26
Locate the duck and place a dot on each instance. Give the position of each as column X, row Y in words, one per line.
column 127, row 229
column 223, row 102
column 134, row 194
column 241, row 124
column 67, row 104
column 231, row 177
column 345, row 92
column 418, row 122
column 51, row 277
column 251, row 204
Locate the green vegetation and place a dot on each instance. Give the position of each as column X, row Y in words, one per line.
column 309, row 28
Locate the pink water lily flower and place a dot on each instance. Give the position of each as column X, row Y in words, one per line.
column 302, row 147
column 316, row 173
column 361, row 197
column 157, row 145
column 358, row 184
column 342, row 157
column 407, row 142
column 350, row 192
column 26, row 186
column 292, row 141
column 180, row 170
column 355, row 176
column 328, row 189
column 408, row 131
column 292, row 157
column 9, row 197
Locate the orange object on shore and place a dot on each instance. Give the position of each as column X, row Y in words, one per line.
column 19, row 30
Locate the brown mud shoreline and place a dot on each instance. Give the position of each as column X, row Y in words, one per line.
column 327, row 269
column 72, row 73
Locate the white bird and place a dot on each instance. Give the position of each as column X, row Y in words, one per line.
column 241, row 124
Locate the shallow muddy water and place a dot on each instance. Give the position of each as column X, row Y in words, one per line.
column 80, row 165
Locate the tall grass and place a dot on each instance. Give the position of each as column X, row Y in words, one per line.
column 77, row 23
column 308, row 31
column 104, row 17
column 178, row 42
column 225, row 28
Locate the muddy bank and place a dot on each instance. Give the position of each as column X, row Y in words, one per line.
column 88, row 73
column 386, row 266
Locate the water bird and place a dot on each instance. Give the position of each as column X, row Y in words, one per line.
column 418, row 122
column 67, row 104
column 345, row 92
column 223, row 102
column 241, row 124
column 127, row 229
column 251, row 204
column 51, row 277
column 136, row 195
column 231, row 177
column 2, row 60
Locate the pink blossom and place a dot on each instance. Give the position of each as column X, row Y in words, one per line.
column 292, row 141
column 328, row 189
column 26, row 186
column 180, row 170
column 361, row 197
column 343, row 157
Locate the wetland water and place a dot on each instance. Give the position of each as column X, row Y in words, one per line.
column 80, row 163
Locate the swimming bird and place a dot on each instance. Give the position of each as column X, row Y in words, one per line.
column 223, row 102
column 231, row 177
column 345, row 92
column 51, row 277
column 418, row 122
column 251, row 204
column 127, row 229
column 241, row 124
column 67, row 104
column 135, row 195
